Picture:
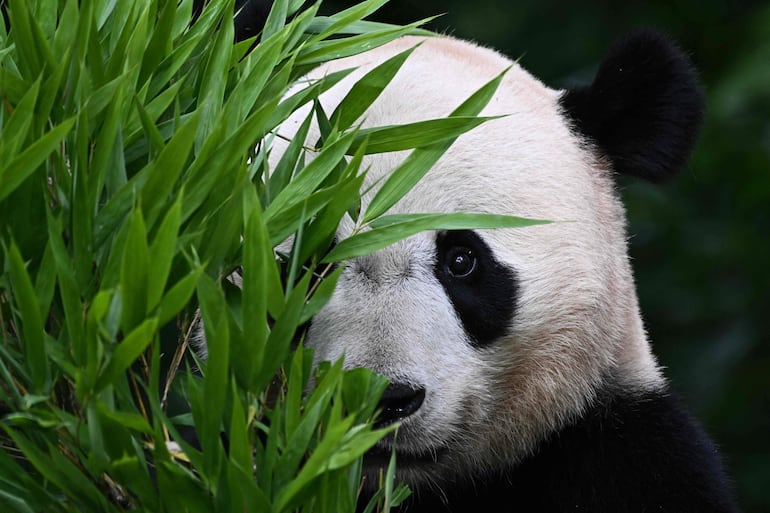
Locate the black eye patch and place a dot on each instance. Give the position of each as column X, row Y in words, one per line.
column 481, row 289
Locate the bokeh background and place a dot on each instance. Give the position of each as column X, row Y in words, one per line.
column 700, row 244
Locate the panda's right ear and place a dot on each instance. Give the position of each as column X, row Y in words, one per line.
column 644, row 108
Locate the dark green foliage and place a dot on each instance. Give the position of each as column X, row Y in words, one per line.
column 133, row 182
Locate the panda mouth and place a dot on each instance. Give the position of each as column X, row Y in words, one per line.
column 379, row 457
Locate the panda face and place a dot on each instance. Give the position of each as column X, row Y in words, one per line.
column 492, row 339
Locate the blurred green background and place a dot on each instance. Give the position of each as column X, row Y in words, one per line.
column 700, row 244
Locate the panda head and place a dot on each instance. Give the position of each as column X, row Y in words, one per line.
column 495, row 339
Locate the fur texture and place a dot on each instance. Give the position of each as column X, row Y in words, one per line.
column 528, row 381
column 520, row 369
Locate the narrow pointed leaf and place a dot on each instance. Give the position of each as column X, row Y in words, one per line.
column 390, row 230
column 421, row 160
column 33, row 332
column 366, row 90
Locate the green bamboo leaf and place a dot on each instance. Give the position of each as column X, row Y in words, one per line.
column 165, row 75
column 338, row 22
column 60, row 471
column 214, row 162
column 68, row 289
column 260, row 279
column 421, row 160
column 64, row 38
column 216, row 324
column 293, row 402
column 323, row 227
column 311, row 177
column 88, row 371
column 30, row 60
column 315, row 464
column 178, row 296
column 160, row 43
column 288, row 105
column 245, row 492
column 214, row 79
column 19, row 168
column 152, row 134
column 275, row 19
column 154, row 182
column 181, row 490
column 291, row 218
column 224, row 223
column 103, row 97
column 322, row 295
column 300, row 23
column 354, row 444
column 259, row 67
column 238, row 434
column 337, row 48
column 45, row 281
column 288, row 161
column 126, row 353
column 282, row 334
column 298, row 439
column 321, row 24
column 391, row 229
column 134, row 272
column 415, row 135
column 366, row 90
column 32, row 327
column 152, row 111
column 165, row 170
column 162, row 251
column 15, row 129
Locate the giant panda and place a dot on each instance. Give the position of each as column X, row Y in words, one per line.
column 521, row 375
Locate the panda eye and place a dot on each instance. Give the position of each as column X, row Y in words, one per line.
column 460, row 262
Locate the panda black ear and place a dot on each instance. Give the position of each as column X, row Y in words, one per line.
column 644, row 108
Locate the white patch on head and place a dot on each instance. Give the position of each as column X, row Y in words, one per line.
column 576, row 327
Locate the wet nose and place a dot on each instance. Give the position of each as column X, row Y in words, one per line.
column 398, row 402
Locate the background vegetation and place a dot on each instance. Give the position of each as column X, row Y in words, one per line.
column 134, row 180
column 700, row 244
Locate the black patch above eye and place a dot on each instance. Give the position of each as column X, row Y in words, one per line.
column 482, row 290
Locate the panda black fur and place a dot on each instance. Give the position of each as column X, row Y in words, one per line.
column 521, row 374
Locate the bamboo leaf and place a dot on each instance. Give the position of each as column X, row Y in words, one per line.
column 19, row 168
column 260, row 279
column 134, row 272
column 33, row 331
column 15, row 129
column 311, row 177
column 345, row 47
column 68, row 289
column 366, row 90
column 414, row 135
column 420, row 161
column 388, row 230
column 162, row 253
column 126, row 352
column 178, row 296
column 275, row 19
column 215, row 321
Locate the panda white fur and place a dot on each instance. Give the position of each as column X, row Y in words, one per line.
column 521, row 374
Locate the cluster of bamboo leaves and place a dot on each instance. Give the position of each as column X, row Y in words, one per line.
column 135, row 178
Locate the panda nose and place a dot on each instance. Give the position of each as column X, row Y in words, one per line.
column 398, row 402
